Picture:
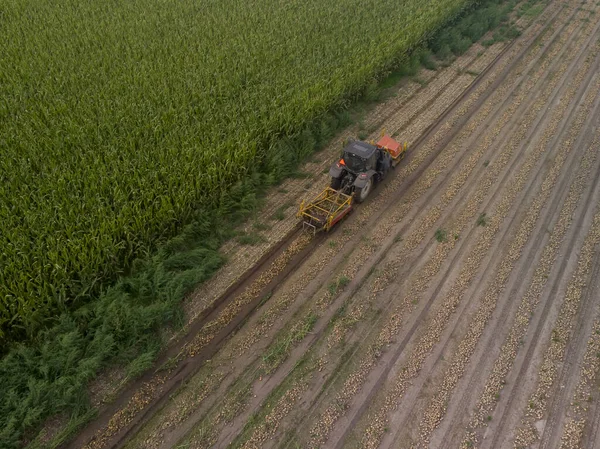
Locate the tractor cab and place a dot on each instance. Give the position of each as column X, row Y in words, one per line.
column 359, row 157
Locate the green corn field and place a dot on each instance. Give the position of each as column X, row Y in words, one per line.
column 118, row 119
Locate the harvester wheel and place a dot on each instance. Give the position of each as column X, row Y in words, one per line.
column 360, row 194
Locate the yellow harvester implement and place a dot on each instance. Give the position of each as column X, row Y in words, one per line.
column 325, row 210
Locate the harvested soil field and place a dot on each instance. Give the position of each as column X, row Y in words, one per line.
column 458, row 307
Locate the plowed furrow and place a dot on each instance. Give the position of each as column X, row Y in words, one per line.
column 434, row 326
column 580, row 426
column 527, row 432
column 458, row 412
column 574, row 357
column 458, row 364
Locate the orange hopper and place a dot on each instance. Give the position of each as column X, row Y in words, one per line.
column 392, row 147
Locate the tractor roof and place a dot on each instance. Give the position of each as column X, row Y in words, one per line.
column 361, row 149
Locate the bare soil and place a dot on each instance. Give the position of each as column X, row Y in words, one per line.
column 458, row 307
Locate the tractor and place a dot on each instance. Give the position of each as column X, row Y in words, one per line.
column 353, row 176
column 361, row 166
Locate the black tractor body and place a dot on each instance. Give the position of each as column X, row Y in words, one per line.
column 361, row 166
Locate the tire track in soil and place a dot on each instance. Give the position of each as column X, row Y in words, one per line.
column 436, row 410
column 555, row 359
column 527, row 434
column 427, row 222
column 398, row 108
column 153, row 393
column 458, row 163
column 434, row 212
column 409, row 113
column 459, row 362
column 379, row 115
column 434, row 418
column 415, row 105
column 575, row 429
column 508, row 407
column 450, row 200
column 495, row 385
column 574, row 355
column 445, row 440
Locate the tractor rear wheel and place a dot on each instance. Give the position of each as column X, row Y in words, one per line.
column 361, row 193
column 336, row 183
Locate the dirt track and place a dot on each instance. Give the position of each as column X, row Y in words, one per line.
column 458, row 307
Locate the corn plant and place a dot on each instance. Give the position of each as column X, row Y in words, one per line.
column 116, row 125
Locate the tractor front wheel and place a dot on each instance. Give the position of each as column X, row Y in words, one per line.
column 361, row 193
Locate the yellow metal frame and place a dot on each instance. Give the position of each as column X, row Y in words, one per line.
column 401, row 154
column 325, row 209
